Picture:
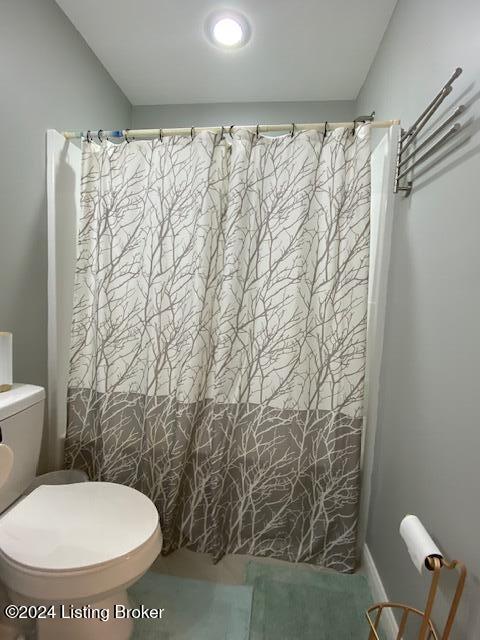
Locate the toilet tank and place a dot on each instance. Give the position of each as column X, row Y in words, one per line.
column 21, row 426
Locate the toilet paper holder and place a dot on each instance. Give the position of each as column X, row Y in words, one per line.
column 427, row 629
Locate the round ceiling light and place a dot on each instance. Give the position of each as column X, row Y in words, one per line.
column 228, row 32
column 228, row 29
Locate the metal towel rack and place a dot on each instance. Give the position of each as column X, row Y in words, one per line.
column 406, row 162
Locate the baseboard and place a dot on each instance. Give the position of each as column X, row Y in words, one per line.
column 379, row 594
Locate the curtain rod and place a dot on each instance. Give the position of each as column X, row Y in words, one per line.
column 262, row 128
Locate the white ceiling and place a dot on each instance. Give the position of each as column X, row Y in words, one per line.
column 157, row 52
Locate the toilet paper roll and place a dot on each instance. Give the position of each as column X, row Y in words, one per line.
column 6, row 463
column 5, row 361
column 419, row 543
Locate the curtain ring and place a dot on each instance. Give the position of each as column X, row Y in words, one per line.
column 355, row 120
column 192, row 132
column 89, row 136
column 293, row 130
column 222, row 133
column 257, row 133
column 160, row 135
column 100, row 135
column 125, row 135
column 325, row 130
column 230, row 131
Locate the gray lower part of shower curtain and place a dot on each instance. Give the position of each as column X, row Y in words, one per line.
column 219, row 337
column 228, row 478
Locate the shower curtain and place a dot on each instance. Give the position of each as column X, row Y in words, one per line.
column 219, row 336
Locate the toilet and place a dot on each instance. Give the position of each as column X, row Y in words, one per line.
column 78, row 546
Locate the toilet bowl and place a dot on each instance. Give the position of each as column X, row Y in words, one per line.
column 77, row 548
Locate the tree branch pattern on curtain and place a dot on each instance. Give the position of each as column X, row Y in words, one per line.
column 219, row 336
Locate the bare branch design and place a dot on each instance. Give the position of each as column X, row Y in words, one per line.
column 218, row 338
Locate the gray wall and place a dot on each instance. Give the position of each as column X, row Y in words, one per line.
column 428, row 442
column 49, row 78
column 188, row 115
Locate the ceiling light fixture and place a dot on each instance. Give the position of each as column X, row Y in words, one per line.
column 228, row 29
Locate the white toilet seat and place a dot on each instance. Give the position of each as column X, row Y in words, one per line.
column 75, row 541
column 74, row 526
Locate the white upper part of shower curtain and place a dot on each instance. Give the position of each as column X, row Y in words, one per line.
column 257, row 291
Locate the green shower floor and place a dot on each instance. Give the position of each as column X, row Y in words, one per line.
column 276, row 603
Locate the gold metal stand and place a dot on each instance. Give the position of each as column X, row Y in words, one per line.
column 427, row 630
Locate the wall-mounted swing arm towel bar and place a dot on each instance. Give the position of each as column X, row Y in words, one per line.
column 406, row 162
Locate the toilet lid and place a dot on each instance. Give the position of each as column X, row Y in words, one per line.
column 59, row 527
